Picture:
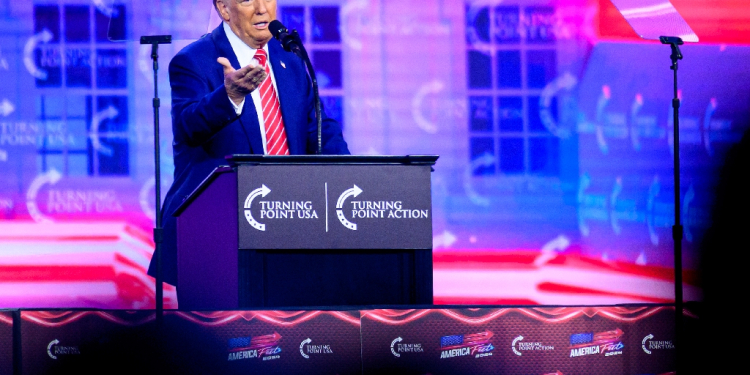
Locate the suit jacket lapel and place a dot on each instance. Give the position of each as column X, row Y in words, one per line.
column 223, row 47
column 249, row 118
column 286, row 89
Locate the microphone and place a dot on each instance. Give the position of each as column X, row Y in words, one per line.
column 290, row 41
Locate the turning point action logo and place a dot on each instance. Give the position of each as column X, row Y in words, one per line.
column 477, row 345
column 373, row 209
column 519, row 346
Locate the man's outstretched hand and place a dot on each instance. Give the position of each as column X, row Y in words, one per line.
column 241, row 82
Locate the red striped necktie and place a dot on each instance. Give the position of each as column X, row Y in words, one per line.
column 275, row 133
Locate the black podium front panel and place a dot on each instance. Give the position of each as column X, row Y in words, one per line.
column 334, row 207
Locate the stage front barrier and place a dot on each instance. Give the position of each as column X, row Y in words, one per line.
column 630, row 340
column 312, row 230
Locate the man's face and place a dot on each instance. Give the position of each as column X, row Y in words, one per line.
column 249, row 19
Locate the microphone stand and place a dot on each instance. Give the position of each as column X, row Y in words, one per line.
column 677, row 229
column 299, row 49
column 154, row 41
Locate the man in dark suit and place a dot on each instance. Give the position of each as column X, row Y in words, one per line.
column 236, row 91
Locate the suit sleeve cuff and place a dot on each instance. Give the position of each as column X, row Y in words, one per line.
column 237, row 107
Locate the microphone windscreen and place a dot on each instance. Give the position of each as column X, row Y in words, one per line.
column 276, row 28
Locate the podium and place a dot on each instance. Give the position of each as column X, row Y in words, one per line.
column 308, row 230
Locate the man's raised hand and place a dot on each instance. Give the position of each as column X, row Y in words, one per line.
column 239, row 83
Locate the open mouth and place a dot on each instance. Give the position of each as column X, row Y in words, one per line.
column 261, row 25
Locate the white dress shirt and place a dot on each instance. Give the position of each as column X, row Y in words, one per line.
column 245, row 55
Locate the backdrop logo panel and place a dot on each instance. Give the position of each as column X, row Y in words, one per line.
column 435, row 341
column 278, row 342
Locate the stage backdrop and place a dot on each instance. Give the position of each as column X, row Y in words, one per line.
column 554, row 183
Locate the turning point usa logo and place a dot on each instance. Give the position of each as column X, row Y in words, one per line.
column 266, row 347
column 274, row 210
column 477, row 344
column 648, row 344
column 54, row 349
column 608, row 343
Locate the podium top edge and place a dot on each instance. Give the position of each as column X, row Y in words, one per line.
column 332, row 159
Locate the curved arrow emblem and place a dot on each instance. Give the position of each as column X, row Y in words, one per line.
column 566, row 81
column 49, row 348
column 433, row 87
column 633, row 124
column 515, row 340
column 393, row 344
column 302, row 345
column 643, row 343
column 485, row 160
column 601, row 105
column 355, row 192
column 96, row 120
column 51, row 177
column 28, row 54
column 262, row 191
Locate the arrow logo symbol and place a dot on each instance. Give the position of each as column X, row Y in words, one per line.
column 49, row 348
column 51, row 177
column 262, row 191
column 106, row 114
column 355, row 191
column 393, row 343
column 643, row 343
column 515, row 340
column 28, row 54
column 302, row 345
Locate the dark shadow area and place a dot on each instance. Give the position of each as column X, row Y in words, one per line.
column 724, row 272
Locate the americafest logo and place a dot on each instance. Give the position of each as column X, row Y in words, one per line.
column 477, row 345
column 265, row 347
column 348, row 213
column 608, row 343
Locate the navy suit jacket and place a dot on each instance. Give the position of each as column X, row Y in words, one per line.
column 206, row 128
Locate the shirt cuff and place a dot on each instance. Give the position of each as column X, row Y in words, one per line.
column 237, row 107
